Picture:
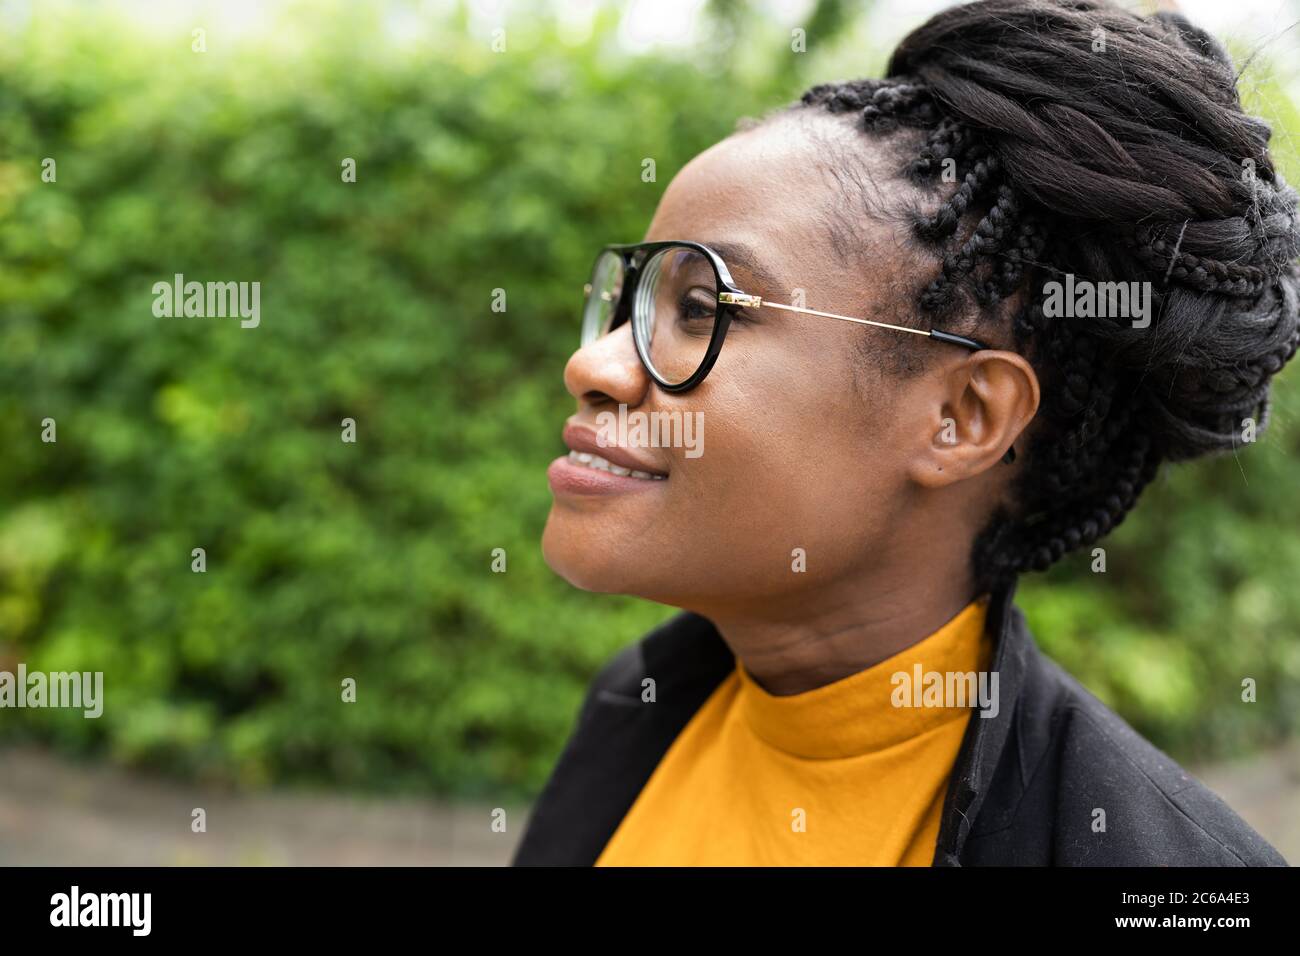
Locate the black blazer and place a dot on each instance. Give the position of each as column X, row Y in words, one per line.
column 1023, row 789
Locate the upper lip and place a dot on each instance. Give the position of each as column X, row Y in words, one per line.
column 582, row 438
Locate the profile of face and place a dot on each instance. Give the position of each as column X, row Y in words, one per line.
column 829, row 458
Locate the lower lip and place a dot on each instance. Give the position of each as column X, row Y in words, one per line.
column 568, row 478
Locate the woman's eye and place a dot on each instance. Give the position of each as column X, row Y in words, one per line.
column 696, row 307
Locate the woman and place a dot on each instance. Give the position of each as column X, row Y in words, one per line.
column 967, row 311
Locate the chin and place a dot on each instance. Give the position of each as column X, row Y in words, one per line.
column 571, row 556
column 605, row 563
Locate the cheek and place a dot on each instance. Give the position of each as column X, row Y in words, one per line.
column 795, row 458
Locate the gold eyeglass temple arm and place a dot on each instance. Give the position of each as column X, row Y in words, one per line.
column 754, row 302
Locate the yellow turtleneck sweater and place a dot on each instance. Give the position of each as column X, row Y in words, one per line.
column 840, row 775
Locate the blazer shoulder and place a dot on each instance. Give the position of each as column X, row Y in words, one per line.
column 1156, row 812
column 621, row 673
column 683, row 649
column 679, row 653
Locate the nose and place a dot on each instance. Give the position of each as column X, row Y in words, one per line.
column 608, row 371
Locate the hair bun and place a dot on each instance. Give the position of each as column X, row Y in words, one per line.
column 1126, row 136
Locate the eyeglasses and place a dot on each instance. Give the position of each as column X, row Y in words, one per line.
column 681, row 299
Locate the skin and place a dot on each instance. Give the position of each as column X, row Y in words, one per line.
column 812, row 441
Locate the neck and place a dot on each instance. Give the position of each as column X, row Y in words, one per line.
column 812, row 638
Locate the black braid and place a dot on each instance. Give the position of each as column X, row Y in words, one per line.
column 988, row 240
column 948, row 140
column 944, row 222
column 1124, row 167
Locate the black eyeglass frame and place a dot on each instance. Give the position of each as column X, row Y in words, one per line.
column 730, row 300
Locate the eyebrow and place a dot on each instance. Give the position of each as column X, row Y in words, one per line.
column 740, row 256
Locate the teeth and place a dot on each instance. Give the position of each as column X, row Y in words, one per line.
column 600, row 464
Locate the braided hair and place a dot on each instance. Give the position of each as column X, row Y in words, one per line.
column 1093, row 142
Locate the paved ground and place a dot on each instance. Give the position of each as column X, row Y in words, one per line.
column 56, row 812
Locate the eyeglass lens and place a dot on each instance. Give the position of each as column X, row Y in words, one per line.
column 674, row 306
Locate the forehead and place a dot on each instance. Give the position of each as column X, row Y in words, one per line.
column 806, row 191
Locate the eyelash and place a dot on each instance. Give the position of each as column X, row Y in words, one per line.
column 690, row 300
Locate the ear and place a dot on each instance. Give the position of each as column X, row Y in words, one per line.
column 978, row 409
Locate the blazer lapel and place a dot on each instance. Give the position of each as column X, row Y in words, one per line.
column 985, row 738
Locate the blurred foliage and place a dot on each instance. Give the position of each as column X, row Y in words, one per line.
column 476, row 171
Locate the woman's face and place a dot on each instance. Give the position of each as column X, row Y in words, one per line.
column 807, row 439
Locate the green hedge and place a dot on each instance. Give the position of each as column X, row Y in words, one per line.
column 475, row 171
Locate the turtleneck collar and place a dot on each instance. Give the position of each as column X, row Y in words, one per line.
column 861, row 713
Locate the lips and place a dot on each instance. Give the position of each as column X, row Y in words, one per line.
column 587, row 451
column 589, row 472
